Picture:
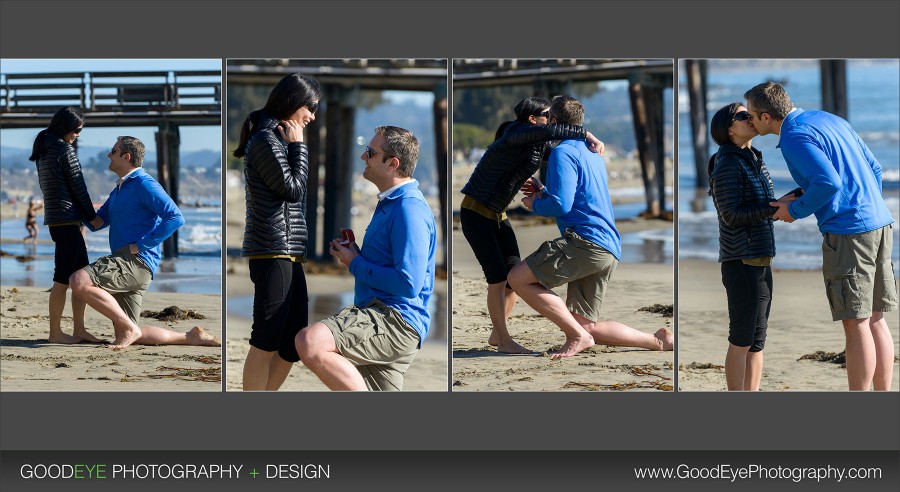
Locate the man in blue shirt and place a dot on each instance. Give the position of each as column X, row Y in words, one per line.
column 841, row 180
column 370, row 345
column 577, row 195
column 140, row 216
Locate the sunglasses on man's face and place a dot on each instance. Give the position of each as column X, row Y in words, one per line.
column 545, row 114
column 741, row 116
column 312, row 107
column 370, row 153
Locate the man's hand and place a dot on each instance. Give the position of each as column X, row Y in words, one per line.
column 97, row 222
column 291, row 131
column 528, row 202
column 532, row 186
column 782, row 212
column 344, row 254
column 133, row 248
column 594, row 144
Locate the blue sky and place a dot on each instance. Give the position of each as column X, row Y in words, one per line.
column 192, row 138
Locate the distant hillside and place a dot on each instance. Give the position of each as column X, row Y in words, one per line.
column 200, row 172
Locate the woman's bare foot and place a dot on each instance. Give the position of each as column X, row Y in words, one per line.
column 63, row 338
column 84, row 337
column 665, row 339
column 507, row 345
column 198, row 336
column 573, row 346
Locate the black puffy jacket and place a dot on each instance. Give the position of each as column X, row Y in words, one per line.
column 65, row 195
column 275, row 183
column 512, row 159
column 741, row 190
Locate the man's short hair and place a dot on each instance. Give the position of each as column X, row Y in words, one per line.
column 135, row 147
column 567, row 110
column 401, row 144
column 769, row 97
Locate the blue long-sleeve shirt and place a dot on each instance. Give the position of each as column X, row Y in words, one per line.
column 396, row 262
column 840, row 177
column 140, row 212
column 577, row 194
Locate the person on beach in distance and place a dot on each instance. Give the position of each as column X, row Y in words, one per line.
column 841, row 180
column 371, row 344
column 513, row 157
column 140, row 216
column 741, row 190
column 66, row 204
column 276, row 165
column 577, row 195
column 31, row 220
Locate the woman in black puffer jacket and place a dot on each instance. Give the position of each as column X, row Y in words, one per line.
column 507, row 164
column 275, row 173
column 66, row 205
column 741, row 190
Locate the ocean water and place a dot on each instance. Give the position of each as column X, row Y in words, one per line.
column 198, row 268
column 874, row 112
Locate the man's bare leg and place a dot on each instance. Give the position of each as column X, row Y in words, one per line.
column 500, row 302
column 547, row 303
column 860, row 353
column 154, row 335
column 318, row 351
column 80, row 331
column 621, row 335
column 884, row 352
column 104, row 303
column 736, row 367
column 57, row 305
column 753, row 374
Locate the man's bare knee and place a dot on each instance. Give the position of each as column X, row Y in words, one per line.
column 518, row 276
column 79, row 281
column 313, row 340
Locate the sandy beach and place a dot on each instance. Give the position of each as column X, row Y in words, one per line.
column 329, row 292
column 479, row 367
column 799, row 324
column 28, row 362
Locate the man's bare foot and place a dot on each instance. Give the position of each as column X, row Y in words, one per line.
column 63, row 338
column 198, row 336
column 665, row 339
column 125, row 338
column 573, row 346
column 84, row 337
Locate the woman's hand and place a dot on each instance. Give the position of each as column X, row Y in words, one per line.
column 291, row 131
column 594, row 144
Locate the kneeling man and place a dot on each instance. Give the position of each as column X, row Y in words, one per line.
column 370, row 345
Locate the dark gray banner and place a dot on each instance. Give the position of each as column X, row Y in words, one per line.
column 415, row 471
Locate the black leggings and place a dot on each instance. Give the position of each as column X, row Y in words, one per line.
column 749, row 290
column 494, row 244
column 71, row 252
column 280, row 305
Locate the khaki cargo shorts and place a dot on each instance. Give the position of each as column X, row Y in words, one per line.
column 378, row 341
column 585, row 266
column 124, row 276
column 859, row 273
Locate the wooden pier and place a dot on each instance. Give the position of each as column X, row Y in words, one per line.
column 164, row 99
